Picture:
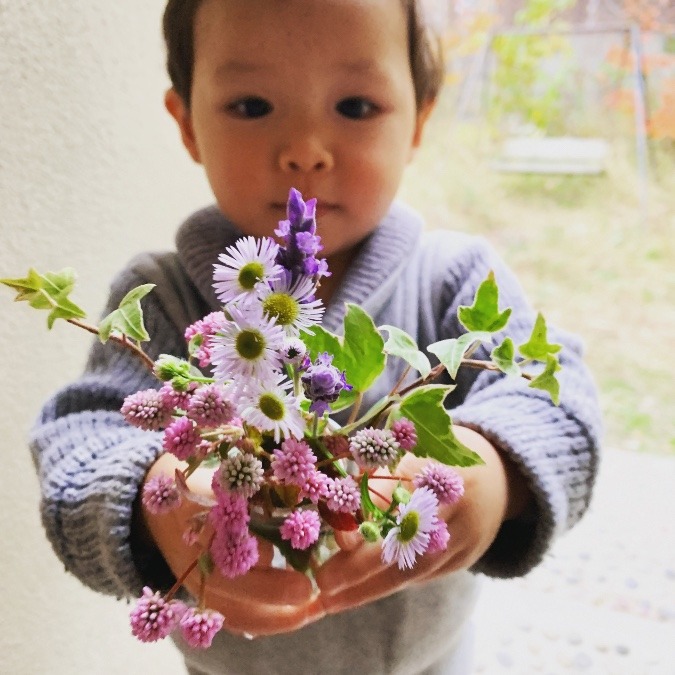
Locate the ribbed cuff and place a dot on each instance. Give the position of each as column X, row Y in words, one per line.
column 91, row 467
column 554, row 456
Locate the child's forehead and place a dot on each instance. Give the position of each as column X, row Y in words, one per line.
column 354, row 32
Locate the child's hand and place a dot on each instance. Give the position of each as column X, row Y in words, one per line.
column 262, row 602
column 494, row 492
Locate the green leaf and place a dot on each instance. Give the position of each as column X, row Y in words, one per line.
column 503, row 356
column 127, row 319
column 48, row 291
column 367, row 504
column 400, row 344
column 359, row 353
column 320, row 340
column 362, row 349
column 484, row 314
column 451, row 352
column 435, row 437
column 538, row 346
column 547, row 380
column 346, row 399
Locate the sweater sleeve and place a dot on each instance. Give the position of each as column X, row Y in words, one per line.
column 555, row 447
column 91, row 463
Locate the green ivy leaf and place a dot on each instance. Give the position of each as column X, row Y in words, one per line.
column 503, row 356
column 359, row 353
column 400, row 344
column 538, row 346
column 547, row 380
column 484, row 314
column 362, row 349
column 127, row 319
column 48, row 291
column 451, row 352
column 320, row 340
column 435, row 437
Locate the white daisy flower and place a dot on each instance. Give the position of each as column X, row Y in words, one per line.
column 268, row 405
column 245, row 268
column 248, row 346
column 410, row 537
column 292, row 304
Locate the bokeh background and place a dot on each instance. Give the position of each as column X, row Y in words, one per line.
column 554, row 137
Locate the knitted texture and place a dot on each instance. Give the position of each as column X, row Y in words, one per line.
column 91, row 464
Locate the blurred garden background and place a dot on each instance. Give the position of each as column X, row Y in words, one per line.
column 555, row 138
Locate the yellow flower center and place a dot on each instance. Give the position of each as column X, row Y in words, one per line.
column 410, row 524
column 250, row 274
column 271, row 406
column 250, row 344
column 283, row 307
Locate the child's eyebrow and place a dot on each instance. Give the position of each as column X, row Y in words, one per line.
column 233, row 67
column 363, row 67
column 359, row 65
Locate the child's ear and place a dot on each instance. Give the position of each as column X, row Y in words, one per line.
column 423, row 115
column 181, row 113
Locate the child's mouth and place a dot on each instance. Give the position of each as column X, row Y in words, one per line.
column 322, row 208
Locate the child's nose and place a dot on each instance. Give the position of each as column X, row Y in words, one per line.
column 304, row 156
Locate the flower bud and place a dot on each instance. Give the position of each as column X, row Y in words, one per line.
column 323, row 383
column 401, row 495
column 369, row 531
column 167, row 367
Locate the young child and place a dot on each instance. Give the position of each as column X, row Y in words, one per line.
column 330, row 97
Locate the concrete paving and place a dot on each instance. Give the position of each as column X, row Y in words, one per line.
column 603, row 602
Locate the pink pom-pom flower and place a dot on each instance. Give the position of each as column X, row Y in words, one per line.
column 444, row 482
column 301, row 528
column 181, row 438
column 146, row 410
column 199, row 627
column 153, row 618
column 405, row 433
column 160, row 495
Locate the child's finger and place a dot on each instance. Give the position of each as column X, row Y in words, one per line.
column 271, row 586
column 348, row 541
column 258, row 619
column 265, row 553
column 386, row 581
column 347, row 568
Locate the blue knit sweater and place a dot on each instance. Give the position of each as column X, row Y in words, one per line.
column 91, row 464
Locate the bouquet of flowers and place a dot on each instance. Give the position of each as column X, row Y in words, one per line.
column 252, row 402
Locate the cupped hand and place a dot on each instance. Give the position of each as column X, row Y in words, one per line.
column 264, row 601
column 356, row 575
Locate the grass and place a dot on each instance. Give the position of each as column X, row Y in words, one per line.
column 590, row 254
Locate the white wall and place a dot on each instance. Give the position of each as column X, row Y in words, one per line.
column 91, row 171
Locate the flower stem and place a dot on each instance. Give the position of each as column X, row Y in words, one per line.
column 400, row 381
column 181, row 580
column 202, row 590
column 355, row 408
column 334, row 458
column 120, row 340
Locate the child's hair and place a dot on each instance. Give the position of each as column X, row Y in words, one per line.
column 426, row 62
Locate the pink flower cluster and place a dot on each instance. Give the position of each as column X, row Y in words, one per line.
column 154, row 618
column 200, row 334
column 233, row 549
column 183, row 415
column 294, row 463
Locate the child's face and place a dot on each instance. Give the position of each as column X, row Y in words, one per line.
column 311, row 94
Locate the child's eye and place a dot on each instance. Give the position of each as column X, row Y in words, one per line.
column 356, row 108
column 250, row 107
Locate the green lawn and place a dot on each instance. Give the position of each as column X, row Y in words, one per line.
column 590, row 257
